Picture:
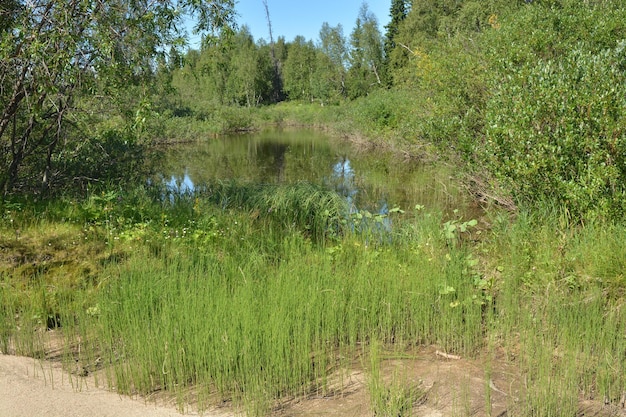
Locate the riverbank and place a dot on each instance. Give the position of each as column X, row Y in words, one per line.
column 31, row 388
column 243, row 297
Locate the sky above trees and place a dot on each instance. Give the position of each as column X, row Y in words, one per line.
column 292, row 18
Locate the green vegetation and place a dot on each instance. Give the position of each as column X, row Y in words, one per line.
column 537, row 115
column 230, row 297
column 251, row 294
column 78, row 76
column 218, row 296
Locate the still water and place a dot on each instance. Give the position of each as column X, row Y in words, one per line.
column 373, row 181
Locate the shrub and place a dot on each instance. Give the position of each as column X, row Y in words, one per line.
column 555, row 130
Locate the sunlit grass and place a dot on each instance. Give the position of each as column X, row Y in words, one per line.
column 273, row 318
column 560, row 307
column 241, row 294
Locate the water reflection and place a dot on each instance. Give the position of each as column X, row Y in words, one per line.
column 343, row 181
column 369, row 181
column 271, row 158
column 180, row 185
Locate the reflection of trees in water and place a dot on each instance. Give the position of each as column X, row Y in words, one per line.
column 342, row 179
column 267, row 158
column 180, row 184
column 271, row 159
column 367, row 181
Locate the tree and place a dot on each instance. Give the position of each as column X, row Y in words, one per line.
column 393, row 59
column 299, row 68
column 242, row 69
column 333, row 59
column 52, row 52
column 366, row 54
column 251, row 76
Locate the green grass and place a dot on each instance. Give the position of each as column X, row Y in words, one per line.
column 302, row 206
column 258, row 315
column 559, row 306
column 240, row 294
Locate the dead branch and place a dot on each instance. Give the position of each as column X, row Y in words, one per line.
column 447, row 355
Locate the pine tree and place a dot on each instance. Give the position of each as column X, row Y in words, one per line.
column 398, row 12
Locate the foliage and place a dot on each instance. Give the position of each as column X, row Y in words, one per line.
column 463, row 76
column 366, row 55
column 298, row 69
column 52, row 54
column 257, row 292
column 394, row 60
column 158, row 284
column 540, row 111
column 333, row 50
column 555, row 128
column 223, row 70
column 230, row 70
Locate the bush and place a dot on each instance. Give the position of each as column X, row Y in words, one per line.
column 114, row 156
column 554, row 127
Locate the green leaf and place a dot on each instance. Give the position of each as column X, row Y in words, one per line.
column 447, row 290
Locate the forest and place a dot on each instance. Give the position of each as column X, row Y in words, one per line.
column 252, row 294
column 519, row 91
column 527, row 94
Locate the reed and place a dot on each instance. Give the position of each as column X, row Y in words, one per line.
column 251, row 294
column 302, row 205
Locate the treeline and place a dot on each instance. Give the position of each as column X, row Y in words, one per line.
column 234, row 69
column 531, row 94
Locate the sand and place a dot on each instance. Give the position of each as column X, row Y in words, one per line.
column 31, row 388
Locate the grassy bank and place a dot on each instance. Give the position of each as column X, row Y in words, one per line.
column 249, row 295
column 218, row 298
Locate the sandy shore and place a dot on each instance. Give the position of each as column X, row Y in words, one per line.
column 30, row 388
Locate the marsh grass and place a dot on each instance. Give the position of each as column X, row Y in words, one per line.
column 560, row 306
column 251, row 294
column 272, row 319
column 301, row 205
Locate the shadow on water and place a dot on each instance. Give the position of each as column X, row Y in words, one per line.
column 372, row 182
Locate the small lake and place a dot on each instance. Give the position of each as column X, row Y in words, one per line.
column 374, row 181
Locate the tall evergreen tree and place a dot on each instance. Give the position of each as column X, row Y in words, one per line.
column 398, row 12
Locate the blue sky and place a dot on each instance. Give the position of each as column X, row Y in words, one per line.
column 291, row 18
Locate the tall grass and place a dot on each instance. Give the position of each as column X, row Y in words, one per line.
column 302, row 205
column 560, row 308
column 257, row 327
column 242, row 294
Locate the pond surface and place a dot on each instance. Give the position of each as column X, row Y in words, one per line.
column 373, row 181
